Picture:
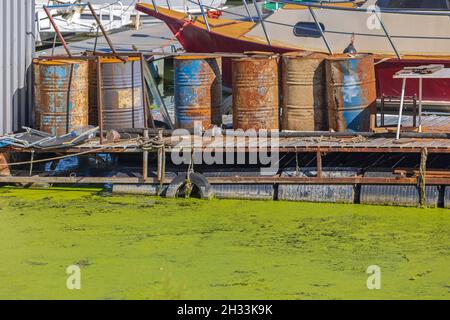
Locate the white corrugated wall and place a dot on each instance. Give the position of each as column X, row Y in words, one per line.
column 17, row 45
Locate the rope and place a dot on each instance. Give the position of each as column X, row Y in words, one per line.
column 174, row 38
column 150, row 144
column 189, row 185
column 105, row 148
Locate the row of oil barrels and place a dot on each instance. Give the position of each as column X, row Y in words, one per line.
column 66, row 94
column 318, row 92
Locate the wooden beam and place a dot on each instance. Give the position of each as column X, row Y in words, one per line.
column 227, row 180
column 4, row 168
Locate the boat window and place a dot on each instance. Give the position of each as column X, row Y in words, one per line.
column 308, row 29
column 414, row 4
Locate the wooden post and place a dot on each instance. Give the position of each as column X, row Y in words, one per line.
column 319, row 164
column 4, row 168
column 422, row 173
column 161, row 158
column 145, row 158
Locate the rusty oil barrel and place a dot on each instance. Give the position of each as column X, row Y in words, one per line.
column 351, row 91
column 255, row 92
column 198, row 91
column 61, row 95
column 123, row 107
column 304, row 92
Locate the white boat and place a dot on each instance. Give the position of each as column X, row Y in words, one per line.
column 74, row 17
column 399, row 33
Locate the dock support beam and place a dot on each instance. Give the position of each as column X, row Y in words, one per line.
column 161, row 160
column 319, row 164
column 145, row 159
column 422, row 173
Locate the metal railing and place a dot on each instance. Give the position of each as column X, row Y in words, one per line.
column 107, row 14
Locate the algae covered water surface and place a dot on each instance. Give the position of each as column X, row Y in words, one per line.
column 150, row 248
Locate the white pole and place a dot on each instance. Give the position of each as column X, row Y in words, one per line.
column 402, row 100
column 420, row 104
column 138, row 18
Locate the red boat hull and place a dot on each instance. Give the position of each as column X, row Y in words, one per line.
column 198, row 40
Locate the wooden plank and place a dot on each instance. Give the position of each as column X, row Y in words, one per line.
column 4, row 168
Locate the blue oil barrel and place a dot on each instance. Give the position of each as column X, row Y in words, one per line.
column 351, row 90
column 198, row 91
column 61, row 95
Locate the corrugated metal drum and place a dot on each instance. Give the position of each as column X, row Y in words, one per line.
column 447, row 197
column 351, row 91
column 123, row 107
column 304, row 92
column 241, row 191
column 318, row 193
column 198, row 91
column 396, row 195
column 61, row 95
column 255, row 92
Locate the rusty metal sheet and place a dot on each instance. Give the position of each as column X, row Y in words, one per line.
column 255, row 93
column 198, row 91
column 304, row 92
column 61, row 95
column 351, row 91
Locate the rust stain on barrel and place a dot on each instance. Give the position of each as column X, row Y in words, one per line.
column 255, row 93
column 304, row 92
column 61, row 95
column 351, row 91
column 123, row 107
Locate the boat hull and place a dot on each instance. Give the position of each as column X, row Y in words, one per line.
column 196, row 39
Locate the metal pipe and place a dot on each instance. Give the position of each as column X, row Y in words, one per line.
column 200, row 3
column 364, row 10
column 313, row 14
column 226, row 180
column 262, row 22
column 111, row 46
column 55, row 27
column 387, row 34
column 155, row 6
column 402, row 101
column 248, row 11
column 143, row 96
column 100, row 98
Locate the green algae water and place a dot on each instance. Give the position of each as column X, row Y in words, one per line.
column 151, row 248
